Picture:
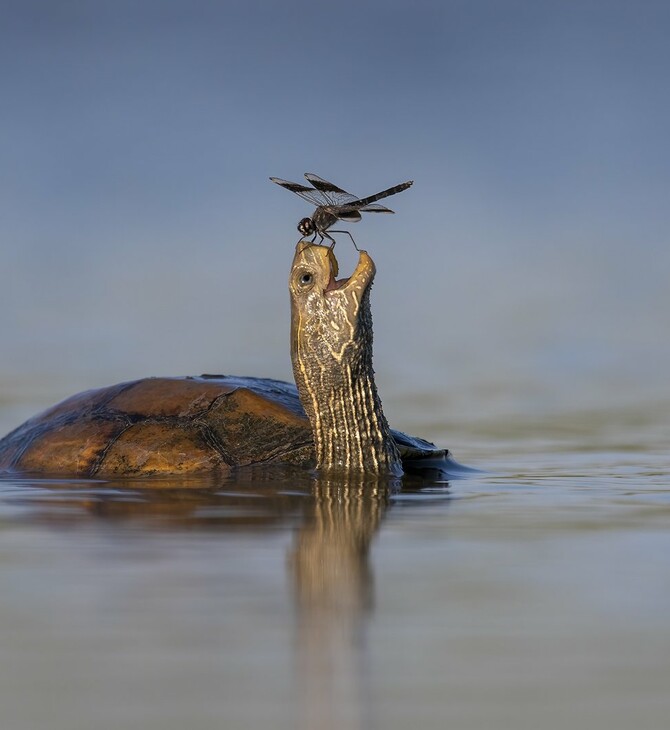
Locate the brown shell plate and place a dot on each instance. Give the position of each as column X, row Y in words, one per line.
column 164, row 426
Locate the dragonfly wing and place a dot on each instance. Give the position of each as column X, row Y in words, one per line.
column 351, row 215
column 309, row 194
column 334, row 195
column 376, row 208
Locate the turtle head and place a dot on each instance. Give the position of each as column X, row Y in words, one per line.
column 329, row 315
column 331, row 351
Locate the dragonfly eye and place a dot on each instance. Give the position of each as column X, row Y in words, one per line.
column 306, row 226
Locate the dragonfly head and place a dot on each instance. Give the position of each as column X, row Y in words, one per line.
column 306, row 227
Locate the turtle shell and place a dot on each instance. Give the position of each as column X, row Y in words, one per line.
column 163, row 426
column 174, row 426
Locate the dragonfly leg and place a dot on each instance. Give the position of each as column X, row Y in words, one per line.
column 324, row 234
column 348, row 234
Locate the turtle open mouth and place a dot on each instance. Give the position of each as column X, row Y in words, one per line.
column 361, row 277
column 336, row 283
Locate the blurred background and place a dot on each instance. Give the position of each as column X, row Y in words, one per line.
column 524, row 275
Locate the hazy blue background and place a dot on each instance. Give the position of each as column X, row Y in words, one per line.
column 526, row 270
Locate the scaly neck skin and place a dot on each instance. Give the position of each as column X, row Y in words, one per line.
column 331, row 350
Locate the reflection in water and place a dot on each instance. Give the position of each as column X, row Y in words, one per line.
column 536, row 596
column 329, row 563
column 251, row 499
column 335, row 518
column 333, row 592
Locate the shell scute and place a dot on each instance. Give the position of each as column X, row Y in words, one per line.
column 253, row 428
column 72, row 448
column 149, row 448
column 167, row 397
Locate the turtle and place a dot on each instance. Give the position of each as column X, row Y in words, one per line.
column 332, row 420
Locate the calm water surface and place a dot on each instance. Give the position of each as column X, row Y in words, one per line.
column 535, row 594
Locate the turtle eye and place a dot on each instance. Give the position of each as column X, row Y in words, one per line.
column 306, row 279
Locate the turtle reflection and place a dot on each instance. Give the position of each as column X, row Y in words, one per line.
column 333, row 590
column 334, row 518
column 329, row 560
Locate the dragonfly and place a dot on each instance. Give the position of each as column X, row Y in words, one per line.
column 334, row 204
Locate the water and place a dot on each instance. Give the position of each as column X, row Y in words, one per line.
column 535, row 594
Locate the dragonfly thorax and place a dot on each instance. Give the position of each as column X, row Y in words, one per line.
column 323, row 218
